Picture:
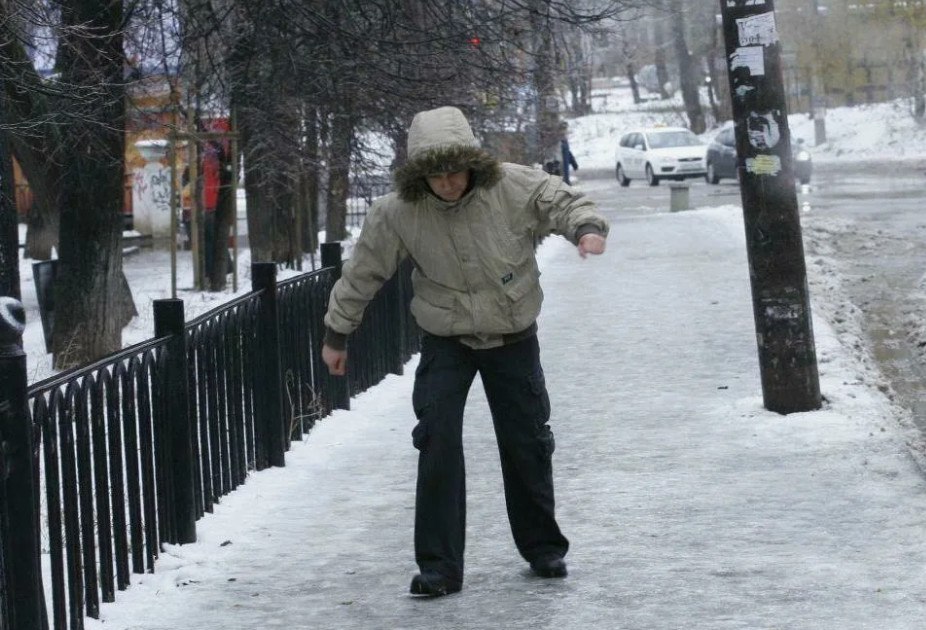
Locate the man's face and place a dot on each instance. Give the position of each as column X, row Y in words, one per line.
column 449, row 186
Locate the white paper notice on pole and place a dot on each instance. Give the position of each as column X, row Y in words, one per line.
column 757, row 30
column 751, row 57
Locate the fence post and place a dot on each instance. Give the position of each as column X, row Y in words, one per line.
column 5, row 603
column 338, row 387
column 169, row 321
column 269, row 421
column 22, row 580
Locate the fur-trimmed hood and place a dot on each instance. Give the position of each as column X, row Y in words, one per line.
column 441, row 141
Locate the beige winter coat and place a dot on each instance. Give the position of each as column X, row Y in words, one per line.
column 475, row 273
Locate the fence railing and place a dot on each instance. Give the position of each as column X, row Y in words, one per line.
column 116, row 458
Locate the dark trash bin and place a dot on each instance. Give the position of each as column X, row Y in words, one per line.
column 44, row 273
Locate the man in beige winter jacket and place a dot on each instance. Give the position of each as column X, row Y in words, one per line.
column 470, row 225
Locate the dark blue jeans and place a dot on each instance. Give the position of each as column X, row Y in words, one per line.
column 516, row 391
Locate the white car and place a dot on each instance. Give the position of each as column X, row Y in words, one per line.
column 658, row 153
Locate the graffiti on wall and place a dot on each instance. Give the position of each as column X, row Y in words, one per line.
column 152, row 187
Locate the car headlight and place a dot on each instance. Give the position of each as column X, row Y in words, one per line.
column 803, row 156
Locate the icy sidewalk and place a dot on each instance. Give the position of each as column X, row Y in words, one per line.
column 688, row 505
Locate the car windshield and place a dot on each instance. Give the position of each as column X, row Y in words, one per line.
column 664, row 139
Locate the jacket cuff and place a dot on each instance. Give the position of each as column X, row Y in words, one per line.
column 587, row 228
column 335, row 340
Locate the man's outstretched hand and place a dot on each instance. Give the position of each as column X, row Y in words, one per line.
column 591, row 244
column 336, row 360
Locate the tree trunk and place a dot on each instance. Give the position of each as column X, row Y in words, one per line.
column 719, row 80
column 659, row 57
column 634, row 86
column 585, row 89
column 399, row 137
column 342, row 132
column 547, row 146
column 9, row 225
column 225, row 215
column 270, row 178
column 688, row 81
column 42, row 224
column 27, row 106
column 309, row 184
column 918, row 84
column 271, row 195
column 87, row 320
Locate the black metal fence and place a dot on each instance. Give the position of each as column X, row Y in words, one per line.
column 127, row 453
column 363, row 190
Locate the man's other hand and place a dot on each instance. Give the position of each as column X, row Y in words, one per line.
column 336, row 360
column 591, row 244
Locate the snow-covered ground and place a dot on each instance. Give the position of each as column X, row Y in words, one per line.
column 688, row 504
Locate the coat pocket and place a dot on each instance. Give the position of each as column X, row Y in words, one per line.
column 433, row 308
column 522, row 282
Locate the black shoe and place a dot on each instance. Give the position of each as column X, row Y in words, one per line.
column 433, row 585
column 549, row 567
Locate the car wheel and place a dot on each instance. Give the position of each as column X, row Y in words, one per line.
column 621, row 177
column 651, row 178
column 711, row 176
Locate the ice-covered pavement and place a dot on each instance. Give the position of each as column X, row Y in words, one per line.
column 687, row 504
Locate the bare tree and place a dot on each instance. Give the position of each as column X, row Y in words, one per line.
column 9, row 233
column 311, row 80
column 91, row 185
column 688, row 72
column 67, row 132
column 29, row 126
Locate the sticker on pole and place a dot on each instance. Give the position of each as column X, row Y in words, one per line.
column 763, row 130
column 757, row 30
column 763, row 165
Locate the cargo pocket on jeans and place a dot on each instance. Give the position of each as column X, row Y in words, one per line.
column 538, row 390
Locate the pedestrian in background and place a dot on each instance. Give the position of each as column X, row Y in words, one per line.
column 567, row 158
column 469, row 224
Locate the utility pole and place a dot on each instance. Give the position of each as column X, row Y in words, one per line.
column 777, row 270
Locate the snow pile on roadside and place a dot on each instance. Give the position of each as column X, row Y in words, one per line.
column 881, row 131
column 838, row 325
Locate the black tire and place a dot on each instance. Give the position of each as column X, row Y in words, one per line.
column 651, row 178
column 621, row 177
column 711, row 175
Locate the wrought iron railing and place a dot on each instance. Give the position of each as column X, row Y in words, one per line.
column 100, row 463
column 130, row 451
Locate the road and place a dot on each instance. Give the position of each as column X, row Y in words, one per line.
column 866, row 224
